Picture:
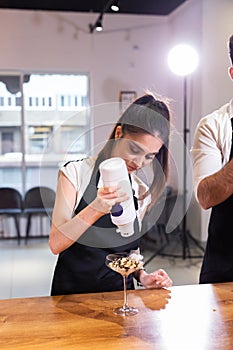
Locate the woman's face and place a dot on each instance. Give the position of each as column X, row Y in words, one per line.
column 137, row 150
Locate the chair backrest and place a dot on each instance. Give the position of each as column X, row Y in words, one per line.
column 10, row 198
column 39, row 197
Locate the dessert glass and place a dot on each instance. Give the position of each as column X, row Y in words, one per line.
column 125, row 264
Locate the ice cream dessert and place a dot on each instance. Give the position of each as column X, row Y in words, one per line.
column 125, row 265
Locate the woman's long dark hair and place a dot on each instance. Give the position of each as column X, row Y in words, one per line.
column 146, row 115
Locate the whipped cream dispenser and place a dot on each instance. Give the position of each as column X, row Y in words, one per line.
column 114, row 173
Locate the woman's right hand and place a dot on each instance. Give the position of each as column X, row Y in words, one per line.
column 107, row 197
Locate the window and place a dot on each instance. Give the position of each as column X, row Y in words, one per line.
column 55, row 120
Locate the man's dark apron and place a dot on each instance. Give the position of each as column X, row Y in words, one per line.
column 81, row 267
column 217, row 264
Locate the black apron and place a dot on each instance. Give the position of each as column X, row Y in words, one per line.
column 217, row 264
column 81, row 267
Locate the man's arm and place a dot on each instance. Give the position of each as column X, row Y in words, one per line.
column 216, row 188
column 213, row 173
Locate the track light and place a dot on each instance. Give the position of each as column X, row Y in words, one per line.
column 98, row 24
column 115, row 6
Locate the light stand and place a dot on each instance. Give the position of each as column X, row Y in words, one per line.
column 182, row 61
column 185, row 233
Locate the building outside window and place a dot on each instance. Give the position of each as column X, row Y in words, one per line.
column 44, row 122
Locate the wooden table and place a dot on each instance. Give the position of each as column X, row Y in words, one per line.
column 193, row 317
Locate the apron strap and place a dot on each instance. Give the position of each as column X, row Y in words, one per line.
column 231, row 154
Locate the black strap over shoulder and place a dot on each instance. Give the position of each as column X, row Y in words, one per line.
column 217, row 264
column 231, row 154
column 71, row 161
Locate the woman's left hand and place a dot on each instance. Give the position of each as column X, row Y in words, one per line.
column 156, row 279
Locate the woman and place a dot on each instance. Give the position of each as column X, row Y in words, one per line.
column 82, row 232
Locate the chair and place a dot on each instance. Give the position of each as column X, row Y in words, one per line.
column 11, row 204
column 38, row 201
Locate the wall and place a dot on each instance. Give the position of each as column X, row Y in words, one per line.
column 130, row 54
column 207, row 24
column 217, row 28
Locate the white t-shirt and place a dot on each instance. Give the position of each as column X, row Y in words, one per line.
column 212, row 143
column 79, row 174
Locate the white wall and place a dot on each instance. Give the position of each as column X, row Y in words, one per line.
column 130, row 54
column 127, row 55
column 206, row 24
column 217, row 28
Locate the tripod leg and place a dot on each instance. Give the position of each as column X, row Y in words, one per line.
column 196, row 242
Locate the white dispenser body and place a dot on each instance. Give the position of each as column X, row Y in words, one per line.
column 114, row 173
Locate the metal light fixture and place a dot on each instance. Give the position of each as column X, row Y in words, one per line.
column 111, row 4
column 97, row 25
column 115, row 6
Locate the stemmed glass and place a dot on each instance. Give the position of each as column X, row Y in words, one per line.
column 125, row 264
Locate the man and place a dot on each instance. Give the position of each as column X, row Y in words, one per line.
column 212, row 154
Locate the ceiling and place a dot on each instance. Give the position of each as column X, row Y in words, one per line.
column 137, row 7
